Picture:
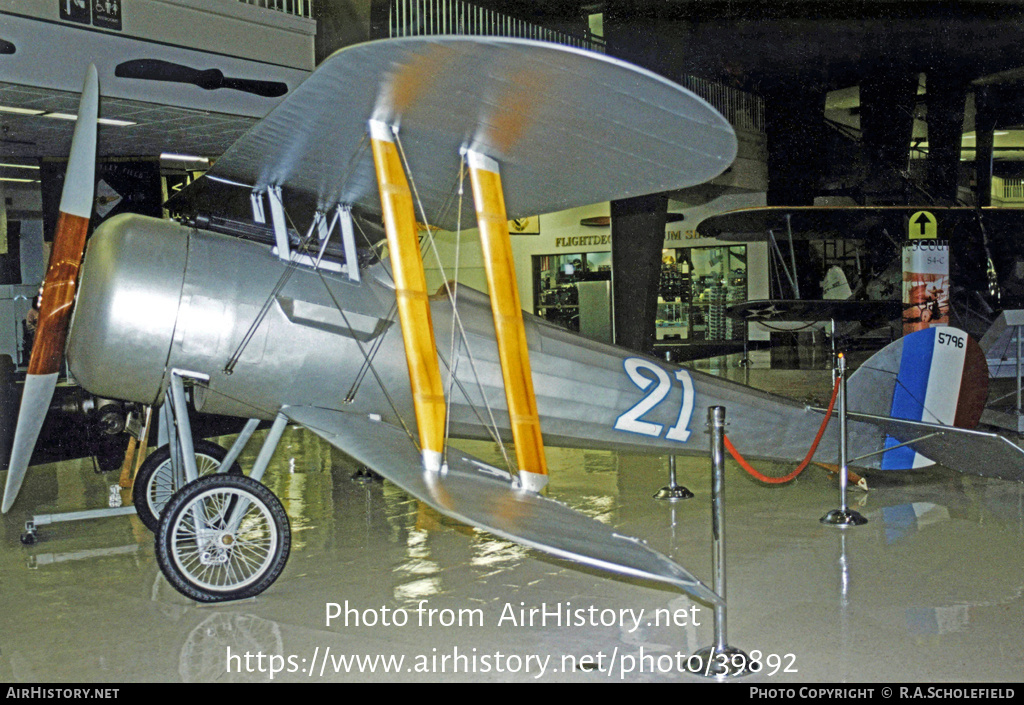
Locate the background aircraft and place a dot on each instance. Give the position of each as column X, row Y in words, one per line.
column 869, row 239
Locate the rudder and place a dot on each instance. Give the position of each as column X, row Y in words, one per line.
column 937, row 375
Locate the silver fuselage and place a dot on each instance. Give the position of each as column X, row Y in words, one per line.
column 156, row 296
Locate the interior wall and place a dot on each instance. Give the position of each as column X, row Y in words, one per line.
column 340, row 23
column 232, row 28
column 561, row 232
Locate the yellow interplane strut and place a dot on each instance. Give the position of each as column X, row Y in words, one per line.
column 492, row 219
column 411, row 293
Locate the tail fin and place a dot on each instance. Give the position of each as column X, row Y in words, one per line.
column 937, row 375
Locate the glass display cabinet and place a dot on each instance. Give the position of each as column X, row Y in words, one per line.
column 555, row 284
column 697, row 285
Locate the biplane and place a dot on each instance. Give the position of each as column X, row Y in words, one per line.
column 302, row 318
column 876, row 234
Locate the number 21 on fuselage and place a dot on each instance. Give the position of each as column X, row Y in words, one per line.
column 631, row 422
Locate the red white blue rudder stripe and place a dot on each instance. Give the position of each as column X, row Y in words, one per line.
column 942, row 379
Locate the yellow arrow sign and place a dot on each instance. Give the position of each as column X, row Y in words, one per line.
column 923, row 226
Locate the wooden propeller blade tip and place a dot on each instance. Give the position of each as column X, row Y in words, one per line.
column 76, row 204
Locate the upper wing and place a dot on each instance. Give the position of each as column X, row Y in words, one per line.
column 803, row 222
column 476, row 493
column 851, row 222
column 570, row 128
column 1000, row 343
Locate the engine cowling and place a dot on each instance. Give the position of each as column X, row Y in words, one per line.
column 156, row 296
column 127, row 306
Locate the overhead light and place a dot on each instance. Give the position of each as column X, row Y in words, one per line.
column 18, row 166
column 999, row 133
column 19, row 181
column 20, row 111
column 183, row 157
column 103, row 121
column 62, row 116
column 116, row 123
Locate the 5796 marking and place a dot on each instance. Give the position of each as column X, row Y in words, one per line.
column 950, row 339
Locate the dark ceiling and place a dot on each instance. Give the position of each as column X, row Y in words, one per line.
column 838, row 42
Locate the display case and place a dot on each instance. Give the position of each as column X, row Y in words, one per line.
column 697, row 285
column 555, row 284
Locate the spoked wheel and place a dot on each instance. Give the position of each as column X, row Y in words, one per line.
column 223, row 537
column 156, row 480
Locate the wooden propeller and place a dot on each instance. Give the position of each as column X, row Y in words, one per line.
column 58, row 292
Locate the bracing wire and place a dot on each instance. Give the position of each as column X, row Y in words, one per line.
column 368, row 362
column 290, row 268
column 286, row 275
column 378, row 343
column 454, row 301
column 900, row 384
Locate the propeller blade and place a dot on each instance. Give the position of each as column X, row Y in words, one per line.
column 76, row 204
column 208, row 79
column 157, row 70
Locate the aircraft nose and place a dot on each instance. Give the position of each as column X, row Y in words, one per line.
column 128, row 299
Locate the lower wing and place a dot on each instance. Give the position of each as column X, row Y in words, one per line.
column 476, row 493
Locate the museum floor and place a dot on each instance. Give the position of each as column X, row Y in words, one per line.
column 930, row 589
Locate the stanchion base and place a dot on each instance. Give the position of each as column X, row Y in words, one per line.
column 673, row 493
column 843, row 518
column 712, row 662
column 365, row 476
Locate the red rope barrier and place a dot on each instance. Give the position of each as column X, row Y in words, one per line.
column 800, row 468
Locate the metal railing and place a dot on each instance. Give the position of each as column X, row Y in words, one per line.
column 299, row 8
column 744, row 111
column 411, row 18
column 1012, row 189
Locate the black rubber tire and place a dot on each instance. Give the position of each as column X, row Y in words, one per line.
column 156, row 467
column 180, row 557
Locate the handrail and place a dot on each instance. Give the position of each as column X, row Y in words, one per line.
column 411, row 18
column 299, row 8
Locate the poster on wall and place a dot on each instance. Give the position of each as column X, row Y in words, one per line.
column 75, row 10
column 925, row 275
column 107, row 14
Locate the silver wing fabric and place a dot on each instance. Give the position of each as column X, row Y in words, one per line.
column 479, row 494
column 569, row 127
column 966, row 450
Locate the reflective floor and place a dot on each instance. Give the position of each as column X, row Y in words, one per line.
column 930, row 589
